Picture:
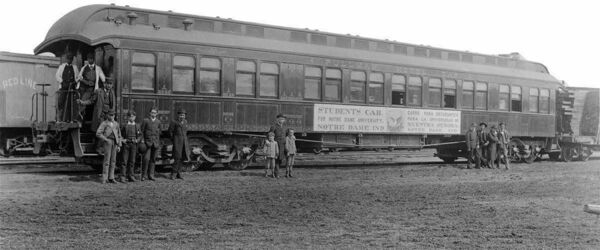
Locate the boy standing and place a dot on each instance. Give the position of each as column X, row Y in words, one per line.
column 131, row 137
column 290, row 151
column 272, row 151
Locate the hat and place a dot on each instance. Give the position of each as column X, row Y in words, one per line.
column 483, row 123
column 142, row 148
column 131, row 113
column 280, row 115
column 500, row 124
column 110, row 112
column 493, row 127
column 181, row 111
column 473, row 124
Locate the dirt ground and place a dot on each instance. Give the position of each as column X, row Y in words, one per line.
column 408, row 206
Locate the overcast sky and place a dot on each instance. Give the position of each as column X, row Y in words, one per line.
column 563, row 35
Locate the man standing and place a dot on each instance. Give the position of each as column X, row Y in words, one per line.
column 110, row 135
column 504, row 142
column 181, row 147
column 492, row 147
column 279, row 132
column 103, row 100
column 131, row 137
column 65, row 76
column 89, row 78
column 473, row 147
column 483, row 143
column 151, row 137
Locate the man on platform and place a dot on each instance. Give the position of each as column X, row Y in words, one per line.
column 89, row 80
column 103, row 100
column 65, row 76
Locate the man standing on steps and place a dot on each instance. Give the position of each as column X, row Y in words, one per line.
column 181, row 147
column 104, row 101
column 151, row 137
column 89, row 80
column 65, row 76
column 279, row 132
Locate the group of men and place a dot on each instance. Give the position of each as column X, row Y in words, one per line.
column 488, row 148
column 144, row 138
column 85, row 87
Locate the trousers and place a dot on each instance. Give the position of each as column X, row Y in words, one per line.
column 110, row 160
column 149, row 161
column 129, row 154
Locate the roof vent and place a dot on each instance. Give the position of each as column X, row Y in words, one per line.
column 187, row 24
column 156, row 26
column 131, row 16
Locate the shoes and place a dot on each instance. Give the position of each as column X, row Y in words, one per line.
column 172, row 177
column 131, row 179
column 103, row 182
column 151, row 178
column 266, row 175
column 142, row 179
column 179, row 177
column 112, row 181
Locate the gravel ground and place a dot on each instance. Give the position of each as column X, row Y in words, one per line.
column 408, row 206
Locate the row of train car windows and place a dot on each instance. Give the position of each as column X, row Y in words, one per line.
column 406, row 90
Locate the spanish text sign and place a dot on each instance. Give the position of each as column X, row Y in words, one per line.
column 365, row 119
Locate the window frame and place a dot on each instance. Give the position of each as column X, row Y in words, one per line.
column 245, row 72
column 455, row 92
column 363, row 85
column 472, row 92
column 440, row 93
column 277, row 79
column 339, row 83
column 478, row 91
column 512, row 106
column 219, row 71
column 537, row 100
column 154, row 66
column 319, row 79
column 403, row 103
column 193, row 69
column 507, row 93
column 381, row 85
column 409, row 91
column 547, row 109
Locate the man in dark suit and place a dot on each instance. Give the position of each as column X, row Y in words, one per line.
column 132, row 135
column 279, row 132
column 151, row 137
column 472, row 146
column 104, row 101
column 483, row 143
column 181, row 147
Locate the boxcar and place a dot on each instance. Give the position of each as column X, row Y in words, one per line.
column 20, row 76
column 339, row 92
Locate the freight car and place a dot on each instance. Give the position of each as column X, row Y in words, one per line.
column 21, row 77
column 339, row 92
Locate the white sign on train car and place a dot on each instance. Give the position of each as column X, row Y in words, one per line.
column 365, row 119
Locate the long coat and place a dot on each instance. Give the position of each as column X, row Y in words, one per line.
column 181, row 147
column 471, row 139
column 151, row 132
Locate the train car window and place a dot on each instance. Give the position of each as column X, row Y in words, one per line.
column 183, row 74
column 398, row 90
column 312, row 83
column 143, row 67
column 333, row 84
column 210, row 75
column 515, row 99
column 269, row 80
column 544, row 101
column 468, row 94
column 481, row 90
column 534, row 99
column 415, row 89
column 376, row 88
column 358, row 83
column 435, row 92
column 245, row 78
column 503, row 97
column 450, row 94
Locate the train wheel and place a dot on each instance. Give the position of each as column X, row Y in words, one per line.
column 567, row 153
column 584, row 153
column 554, row 156
column 530, row 158
column 238, row 165
column 317, row 150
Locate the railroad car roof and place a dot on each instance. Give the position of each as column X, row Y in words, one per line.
column 98, row 24
column 26, row 58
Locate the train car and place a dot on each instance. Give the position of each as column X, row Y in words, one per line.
column 21, row 78
column 339, row 92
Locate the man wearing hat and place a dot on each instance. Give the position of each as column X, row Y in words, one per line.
column 503, row 143
column 89, row 79
column 151, row 138
column 65, row 76
column 103, row 100
column 181, row 147
column 279, row 132
column 132, row 135
column 492, row 147
column 109, row 135
column 472, row 146
column 483, row 143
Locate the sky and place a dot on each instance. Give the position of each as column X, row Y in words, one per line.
column 563, row 35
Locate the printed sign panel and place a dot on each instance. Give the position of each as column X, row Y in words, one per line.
column 364, row 119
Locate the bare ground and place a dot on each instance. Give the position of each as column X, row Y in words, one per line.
column 419, row 206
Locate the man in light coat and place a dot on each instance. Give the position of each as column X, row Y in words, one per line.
column 109, row 135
